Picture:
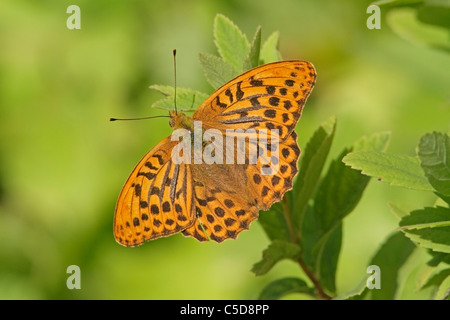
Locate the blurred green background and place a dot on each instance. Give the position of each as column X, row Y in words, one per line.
column 62, row 164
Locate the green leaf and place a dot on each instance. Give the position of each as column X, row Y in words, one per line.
column 269, row 50
column 399, row 212
column 282, row 287
column 429, row 228
column 329, row 259
column 274, row 223
column 404, row 22
column 389, row 258
column 426, row 218
column 423, row 276
column 437, row 240
column 395, row 169
column 217, row 71
column 342, row 187
column 355, row 294
column 435, row 12
column 438, row 257
column 445, row 198
column 187, row 99
column 337, row 195
column 443, row 292
column 375, row 142
column 310, row 237
column 165, row 90
column 434, row 154
column 428, row 271
column 438, row 3
column 275, row 252
column 396, row 3
column 231, row 43
column 311, row 166
column 438, row 278
column 252, row 60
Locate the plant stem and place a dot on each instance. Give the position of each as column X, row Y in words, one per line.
column 320, row 292
column 294, row 239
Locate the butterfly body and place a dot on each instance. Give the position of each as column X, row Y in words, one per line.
column 179, row 120
column 219, row 198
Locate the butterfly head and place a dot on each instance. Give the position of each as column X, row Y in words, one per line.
column 179, row 120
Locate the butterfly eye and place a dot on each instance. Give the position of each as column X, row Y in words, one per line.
column 172, row 122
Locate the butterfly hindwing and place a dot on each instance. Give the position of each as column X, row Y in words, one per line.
column 223, row 209
column 273, row 175
column 228, row 199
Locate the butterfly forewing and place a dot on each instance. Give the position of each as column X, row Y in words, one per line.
column 268, row 97
column 157, row 199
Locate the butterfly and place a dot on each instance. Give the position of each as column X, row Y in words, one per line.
column 217, row 200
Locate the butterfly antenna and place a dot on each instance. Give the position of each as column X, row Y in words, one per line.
column 175, row 78
column 142, row 118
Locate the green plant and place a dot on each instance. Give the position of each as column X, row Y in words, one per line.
column 424, row 22
column 237, row 55
column 429, row 227
column 306, row 226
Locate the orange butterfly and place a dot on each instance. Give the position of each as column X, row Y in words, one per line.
column 219, row 200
